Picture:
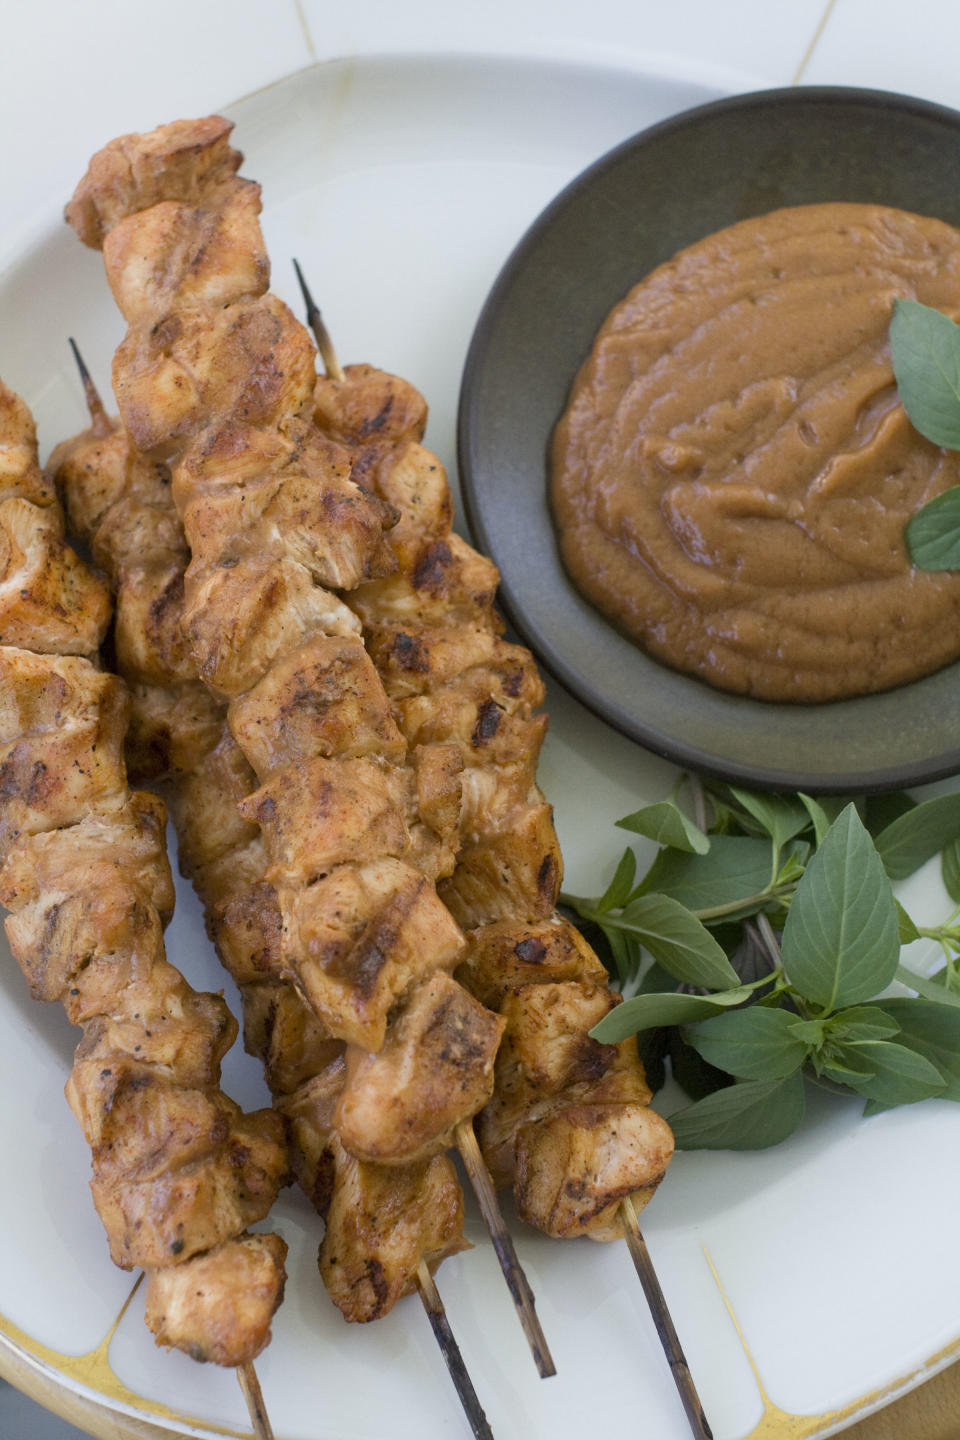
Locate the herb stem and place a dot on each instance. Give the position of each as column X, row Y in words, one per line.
column 699, row 799
column 763, row 897
column 769, row 939
column 607, row 918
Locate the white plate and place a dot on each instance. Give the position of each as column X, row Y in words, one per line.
column 401, row 185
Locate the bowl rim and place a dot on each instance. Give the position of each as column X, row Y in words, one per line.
column 686, row 754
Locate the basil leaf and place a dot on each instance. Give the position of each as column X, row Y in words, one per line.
column 839, row 942
column 933, row 1031
column 666, row 823
column 846, row 1075
column 891, row 1073
column 820, row 813
column 753, row 1044
column 925, row 349
column 861, row 1022
column 933, row 533
column 781, row 816
column 625, row 952
column 643, row 1012
column 931, row 989
column 692, row 1073
column 811, row 1032
column 950, row 870
column 907, row 932
column 679, row 942
column 918, row 835
column 737, row 868
column 751, row 1115
column 617, row 892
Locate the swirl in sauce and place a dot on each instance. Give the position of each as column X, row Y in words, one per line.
column 734, row 470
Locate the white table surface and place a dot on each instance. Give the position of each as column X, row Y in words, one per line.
column 77, row 72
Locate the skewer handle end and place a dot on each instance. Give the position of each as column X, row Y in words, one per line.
column 250, row 1385
column 662, row 1319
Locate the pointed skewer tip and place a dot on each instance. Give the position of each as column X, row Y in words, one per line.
column 669, row 1339
column 99, row 419
column 320, row 332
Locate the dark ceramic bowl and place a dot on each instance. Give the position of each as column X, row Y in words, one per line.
column 662, row 190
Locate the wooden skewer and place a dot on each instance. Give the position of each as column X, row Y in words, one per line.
column 479, row 1175
column 513, row 1272
column 320, row 332
column 450, row 1350
column 466, row 1141
column 661, row 1319
column 101, row 424
column 253, row 1395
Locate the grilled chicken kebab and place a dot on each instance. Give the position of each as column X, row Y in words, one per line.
column 179, row 1171
column 569, row 1124
column 216, row 377
column 381, row 1222
column 324, row 704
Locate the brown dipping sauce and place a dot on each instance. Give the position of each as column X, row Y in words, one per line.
column 734, row 470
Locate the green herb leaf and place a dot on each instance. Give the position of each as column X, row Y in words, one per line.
column 753, row 1044
column 933, row 533
column 925, row 349
column 822, row 812
column 917, row 836
column 643, row 1012
column 950, row 870
column 781, row 816
column 861, row 1022
column 874, row 1107
column 736, row 869
column 839, row 942
column 933, row 1031
column 627, row 954
column 751, row 1115
column 617, row 892
column 666, row 823
column 811, row 1032
column 890, row 1073
column 931, row 989
column 907, row 932
column 679, row 942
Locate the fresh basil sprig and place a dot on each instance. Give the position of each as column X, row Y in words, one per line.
column 925, row 350
column 770, row 930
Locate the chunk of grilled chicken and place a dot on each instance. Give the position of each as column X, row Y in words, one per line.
column 381, row 1224
column 569, row 1123
column 178, row 1170
column 217, row 377
column 49, row 600
column 200, row 1306
column 424, row 1080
